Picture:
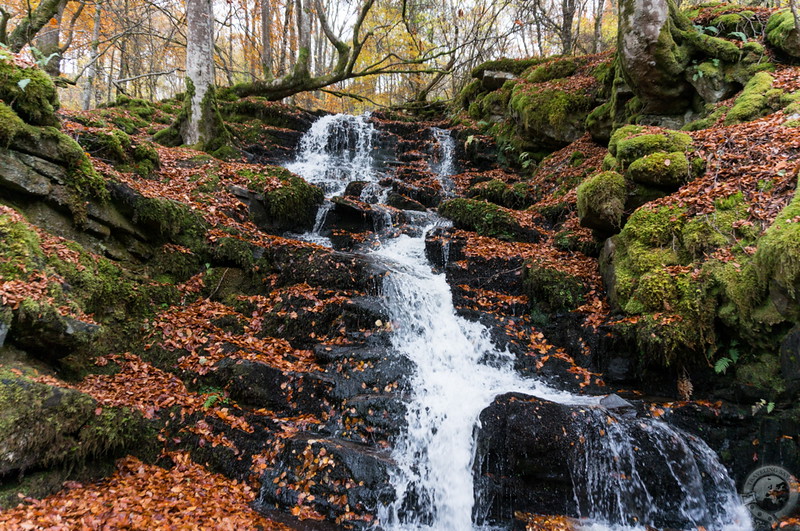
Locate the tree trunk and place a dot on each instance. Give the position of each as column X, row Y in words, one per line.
column 203, row 126
column 31, row 25
column 652, row 62
column 266, row 38
column 567, row 16
column 91, row 73
column 599, row 8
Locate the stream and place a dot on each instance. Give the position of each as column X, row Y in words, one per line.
column 459, row 372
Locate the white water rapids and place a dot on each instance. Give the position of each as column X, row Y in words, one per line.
column 459, row 372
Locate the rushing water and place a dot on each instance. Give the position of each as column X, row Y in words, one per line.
column 459, row 372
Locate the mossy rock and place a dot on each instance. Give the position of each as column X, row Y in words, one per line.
column 45, row 426
column 50, row 144
column 550, row 290
column 553, row 115
column 744, row 22
column 146, row 159
column 29, row 91
column 112, row 145
column 513, row 66
column 627, row 144
column 756, row 100
column 599, row 122
column 601, row 202
column 170, row 220
column 777, row 258
column 782, row 33
column 10, row 125
column 664, row 170
column 554, row 69
column 515, row 196
column 291, row 206
column 486, row 219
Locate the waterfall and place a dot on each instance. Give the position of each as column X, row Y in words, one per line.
column 444, row 162
column 335, row 151
column 459, row 372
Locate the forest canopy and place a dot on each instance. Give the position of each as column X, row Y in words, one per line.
column 383, row 52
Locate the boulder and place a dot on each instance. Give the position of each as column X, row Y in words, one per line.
column 783, row 34
column 605, row 463
column 493, row 80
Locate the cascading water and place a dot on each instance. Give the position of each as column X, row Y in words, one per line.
column 459, row 372
column 337, row 150
column 444, row 162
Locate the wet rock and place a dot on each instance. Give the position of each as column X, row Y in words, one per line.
column 535, row 456
column 354, row 188
column 45, row 333
column 332, row 476
column 404, row 203
column 251, row 383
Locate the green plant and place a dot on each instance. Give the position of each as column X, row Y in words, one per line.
column 762, row 404
column 214, row 395
column 722, row 364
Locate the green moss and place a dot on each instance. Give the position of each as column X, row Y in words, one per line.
column 744, row 22
column 169, row 219
column 555, row 69
column 495, row 191
column 484, row 218
column 666, row 170
column 291, row 205
column 601, row 201
column 609, row 162
column 624, row 132
column 227, row 152
column 709, row 121
column 112, row 145
column 146, row 159
column 632, row 148
column 782, row 33
column 21, row 252
column 649, row 244
column 549, row 109
column 233, row 251
column 468, row 94
column 10, row 125
column 778, row 256
column 713, row 46
column 658, row 227
column 753, row 101
column 46, row 426
column 36, row 102
column 763, row 373
column 551, row 290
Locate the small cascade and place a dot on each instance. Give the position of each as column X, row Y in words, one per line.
column 459, row 372
column 625, row 465
column 337, row 150
column 444, row 162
